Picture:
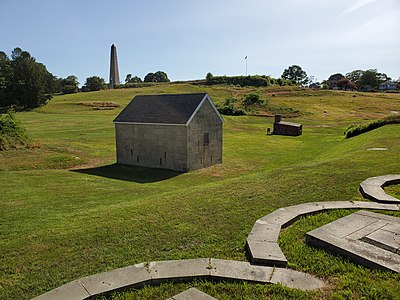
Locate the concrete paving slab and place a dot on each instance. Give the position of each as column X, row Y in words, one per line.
column 70, row 291
column 372, row 188
column 305, row 208
column 179, row 270
column 239, row 270
column 192, row 294
column 373, row 181
column 376, row 205
column 296, row 279
column 358, row 234
column 349, row 224
column 372, row 256
column 266, row 253
column 127, row 277
column 384, row 239
column 370, row 250
column 388, row 218
column 264, row 231
column 378, row 194
column 391, row 178
column 393, row 227
column 280, row 217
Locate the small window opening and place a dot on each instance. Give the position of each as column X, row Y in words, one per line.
column 165, row 155
column 160, row 161
column 198, row 143
column 137, row 158
column 211, row 157
column 206, row 139
column 131, row 152
column 201, row 160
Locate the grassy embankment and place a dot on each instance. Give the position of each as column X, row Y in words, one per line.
column 59, row 224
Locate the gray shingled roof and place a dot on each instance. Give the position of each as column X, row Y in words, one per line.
column 165, row 109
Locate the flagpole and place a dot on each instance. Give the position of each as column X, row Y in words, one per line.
column 246, row 64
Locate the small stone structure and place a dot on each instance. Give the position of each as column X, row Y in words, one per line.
column 286, row 128
column 180, row 132
column 368, row 238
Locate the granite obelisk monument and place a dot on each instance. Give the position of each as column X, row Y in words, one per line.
column 114, row 73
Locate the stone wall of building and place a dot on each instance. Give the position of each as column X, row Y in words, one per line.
column 200, row 153
column 283, row 128
column 150, row 145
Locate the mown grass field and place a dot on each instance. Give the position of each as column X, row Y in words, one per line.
column 67, row 210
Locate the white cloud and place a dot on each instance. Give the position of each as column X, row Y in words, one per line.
column 357, row 5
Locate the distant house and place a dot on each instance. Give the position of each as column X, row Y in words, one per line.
column 333, row 79
column 314, row 86
column 181, row 132
column 286, row 128
column 388, row 86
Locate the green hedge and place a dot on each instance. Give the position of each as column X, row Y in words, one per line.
column 256, row 80
column 354, row 130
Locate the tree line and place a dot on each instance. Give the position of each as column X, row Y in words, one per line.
column 26, row 83
column 363, row 80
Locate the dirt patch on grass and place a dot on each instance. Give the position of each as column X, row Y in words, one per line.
column 100, row 105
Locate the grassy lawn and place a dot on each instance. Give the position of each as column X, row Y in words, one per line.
column 393, row 190
column 69, row 211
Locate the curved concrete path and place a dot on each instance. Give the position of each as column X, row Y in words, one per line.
column 180, row 270
column 262, row 244
column 372, row 188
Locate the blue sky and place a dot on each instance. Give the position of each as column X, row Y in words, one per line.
column 189, row 38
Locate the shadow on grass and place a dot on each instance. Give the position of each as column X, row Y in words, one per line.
column 130, row 173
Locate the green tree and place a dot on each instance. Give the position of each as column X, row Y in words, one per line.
column 94, row 83
column 209, row 76
column 5, row 74
column 367, row 80
column 295, row 73
column 354, row 76
column 158, row 76
column 132, row 79
column 161, row 76
column 149, row 77
column 371, row 79
column 24, row 82
column 70, row 85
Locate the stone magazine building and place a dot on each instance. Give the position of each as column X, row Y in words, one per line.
column 286, row 128
column 181, row 132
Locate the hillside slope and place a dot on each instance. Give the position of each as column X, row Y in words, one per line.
column 68, row 210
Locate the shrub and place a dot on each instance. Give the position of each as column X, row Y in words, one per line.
column 230, row 101
column 252, row 98
column 230, row 110
column 12, row 133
